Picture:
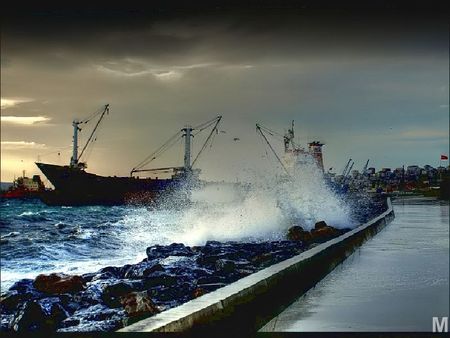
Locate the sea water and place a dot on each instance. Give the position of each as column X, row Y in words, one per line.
column 36, row 238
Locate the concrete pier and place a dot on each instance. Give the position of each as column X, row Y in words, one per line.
column 249, row 303
column 397, row 282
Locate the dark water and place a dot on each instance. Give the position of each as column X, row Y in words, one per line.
column 37, row 239
column 397, row 281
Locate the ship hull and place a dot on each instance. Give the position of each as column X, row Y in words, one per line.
column 75, row 187
column 19, row 194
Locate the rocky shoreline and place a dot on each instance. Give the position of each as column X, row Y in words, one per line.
column 114, row 297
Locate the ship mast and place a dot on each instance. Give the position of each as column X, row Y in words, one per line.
column 289, row 138
column 74, row 158
column 187, row 146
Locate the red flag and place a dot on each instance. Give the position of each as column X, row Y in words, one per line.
column 444, row 157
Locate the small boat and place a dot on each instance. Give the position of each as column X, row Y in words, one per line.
column 25, row 187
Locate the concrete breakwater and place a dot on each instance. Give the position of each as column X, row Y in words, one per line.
column 246, row 305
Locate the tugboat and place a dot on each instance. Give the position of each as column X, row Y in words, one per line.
column 74, row 186
column 25, row 187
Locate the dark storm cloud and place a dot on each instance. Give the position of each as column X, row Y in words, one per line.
column 61, row 39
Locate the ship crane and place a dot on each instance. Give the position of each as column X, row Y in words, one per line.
column 75, row 160
column 365, row 167
column 287, row 140
column 346, row 167
column 350, row 169
column 348, row 172
column 187, row 132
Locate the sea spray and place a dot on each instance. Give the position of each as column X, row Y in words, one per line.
column 263, row 209
column 306, row 198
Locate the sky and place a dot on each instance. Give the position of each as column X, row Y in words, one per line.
column 369, row 84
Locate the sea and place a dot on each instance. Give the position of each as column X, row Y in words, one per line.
column 40, row 239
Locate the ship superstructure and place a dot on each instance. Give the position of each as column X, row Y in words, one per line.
column 294, row 155
column 25, row 187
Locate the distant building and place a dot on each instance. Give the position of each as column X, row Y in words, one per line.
column 398, row 171
column 413, row 170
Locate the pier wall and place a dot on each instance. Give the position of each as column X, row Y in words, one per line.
column 247, row 304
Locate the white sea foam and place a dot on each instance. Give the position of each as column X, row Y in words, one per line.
column 263, row 211
column 29, row 213
column 10, row 234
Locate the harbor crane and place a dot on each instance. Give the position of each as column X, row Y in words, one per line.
column 346, row 167
column 363, row 172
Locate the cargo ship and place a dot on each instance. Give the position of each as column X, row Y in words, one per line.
column 25, row 187
column 74, row 186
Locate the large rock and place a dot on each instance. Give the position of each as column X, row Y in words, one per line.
column 107, row 325
column 164, row 251
column 138, row 304
column 324, row 234
column 93, row 319
column 112, row 293
column 112, row 271
column 320, row 225
column 59, row 283
column 23, row 286
column 142, row 270
column 96, row 312
column 297, row 233
column 198, row 292
column 11, row 300
column 160, row 279
column 176, row 294
column 264, row 259
column 44, row 315
column 225, row 266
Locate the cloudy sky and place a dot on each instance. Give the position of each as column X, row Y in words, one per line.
column 369, row 85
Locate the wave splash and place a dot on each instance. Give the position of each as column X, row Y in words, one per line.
column 258, row 211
